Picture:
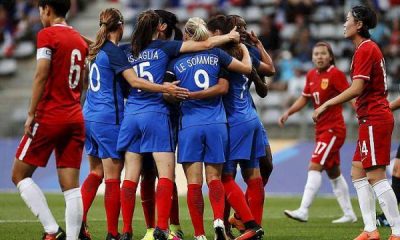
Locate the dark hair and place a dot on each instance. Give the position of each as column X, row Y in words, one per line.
column 367, row 16
column 146, row 26
column 110, row 20
column 60, row 7
column 171, row 20
column 217, row 22
column 328, row 46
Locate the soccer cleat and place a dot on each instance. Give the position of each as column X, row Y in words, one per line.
column 149, row 234
column 59, row 235
column 126, row 236
column 229, row 233
column 297, row 215
column 111, row 237
column 175, row 231
column 84, row 232
column 201, row 237
column 393, row 237
column 381, row 221
column 256, row 233
column 159, row 234
column 346, row 219
column 374, row 235
column 237, row 223
column 219, row 229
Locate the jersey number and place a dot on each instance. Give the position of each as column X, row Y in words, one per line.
column 141, row 72
column 74, row 68
column 93, row 87
column 244, row 86
column 204, row 85
column 320, row 147
column 316, row 97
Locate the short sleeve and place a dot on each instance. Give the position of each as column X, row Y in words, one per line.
column 118, row 60
column 340, row 81
column 44, row 45
column 224, row 58
column 306, row 91
column 172, row 48
column 253, row 50
column 255, row 61
column 362, row 64
column 223, row 73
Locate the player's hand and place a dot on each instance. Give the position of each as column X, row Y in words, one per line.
column 175, row 91
column 283, row 119
column 317, row 113
column 28, row 125
column 253, row 37
column 234, row 35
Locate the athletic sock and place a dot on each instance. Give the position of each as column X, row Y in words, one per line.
column 165, row 188
column 148, row 196
column 236, row 198
column 366, row 200
column 73, row 212
column 217, row 198
column 341, row 191
column 396, row 187
column 128, row 197
column 255, row 198
column 174, row 218
column 313, row 184
column 112, row 204
column 388, row 203
column 88, row 191
column 195, row 204
column 227, row 212
column 36, row 201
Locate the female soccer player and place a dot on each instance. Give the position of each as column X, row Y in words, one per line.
column 375, row 123
column 203, row 133
column 324, row 82
column 146, row 127
column 54, row 120
column 104, row 107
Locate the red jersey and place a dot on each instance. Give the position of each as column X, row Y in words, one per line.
column 322, row 86
column 67, row 51
column 368, row 65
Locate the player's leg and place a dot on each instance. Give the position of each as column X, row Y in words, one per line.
column 195, row 200
column 341, row 191
column 396, row 176
column 148, row 194
column 255, row 189
column 266, row 165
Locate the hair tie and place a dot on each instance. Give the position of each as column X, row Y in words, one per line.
column 101, row 23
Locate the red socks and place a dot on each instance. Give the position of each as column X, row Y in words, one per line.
column 88, row 191
column 174, row 218
column 128, row 197
column 195, row 203
column 255, row 197
column 148, row 195
column 165, row 188
column 236, row 198
column 217, row 198
column 112, row 205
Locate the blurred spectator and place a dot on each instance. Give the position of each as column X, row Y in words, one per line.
column 301, row 45
column 393, row 49
column 296, row 7
column 269, row 34
column 286, row 66
column 381, row 33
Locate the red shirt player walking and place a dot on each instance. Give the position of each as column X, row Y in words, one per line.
column 375, row 124
column 323, row 83
column 54, row 120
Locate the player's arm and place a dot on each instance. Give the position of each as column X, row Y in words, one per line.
column 353, row 91
column 195, row 46
column 140, row 83
column 244, row 66
column 395, row 104
column 221, row 88
column 266, row 65
column 169, row 78
column 299, row 104
column 259, row 84
column 39, row 83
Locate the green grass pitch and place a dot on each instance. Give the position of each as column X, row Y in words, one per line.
column 17, row 222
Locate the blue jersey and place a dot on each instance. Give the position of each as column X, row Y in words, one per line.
column 196, row 72
column 104, row 99
column 255, row 55
column 151, row 64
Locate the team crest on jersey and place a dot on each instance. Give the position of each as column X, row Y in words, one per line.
column 324, row 83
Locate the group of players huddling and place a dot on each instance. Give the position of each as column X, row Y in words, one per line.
column 154, row 95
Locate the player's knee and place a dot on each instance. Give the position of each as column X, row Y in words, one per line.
column 16, row 178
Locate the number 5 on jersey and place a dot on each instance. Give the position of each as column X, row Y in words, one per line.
column 141, row 72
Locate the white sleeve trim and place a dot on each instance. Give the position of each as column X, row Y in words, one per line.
column 44, row 52
column 305, row 95
column 361, row 76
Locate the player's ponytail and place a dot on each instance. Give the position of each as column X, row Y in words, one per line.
column 171, row 20
column 196, row 29
column 146, row 27
column 110, row 20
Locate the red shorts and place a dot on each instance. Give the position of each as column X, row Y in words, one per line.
column 326, row 151
column 66, row 139
column 374, row 141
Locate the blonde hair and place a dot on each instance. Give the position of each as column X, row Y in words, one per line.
column 196, row 29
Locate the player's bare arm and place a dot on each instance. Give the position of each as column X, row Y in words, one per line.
column 259, row 83
column 221, row 88
column 266, row 65
column 296, row 106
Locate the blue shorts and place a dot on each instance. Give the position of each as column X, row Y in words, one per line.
column 145, row 132
column 101, row 140
column 204, row 143
column 231, row 166
column 265, row 135
column 246, row 141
